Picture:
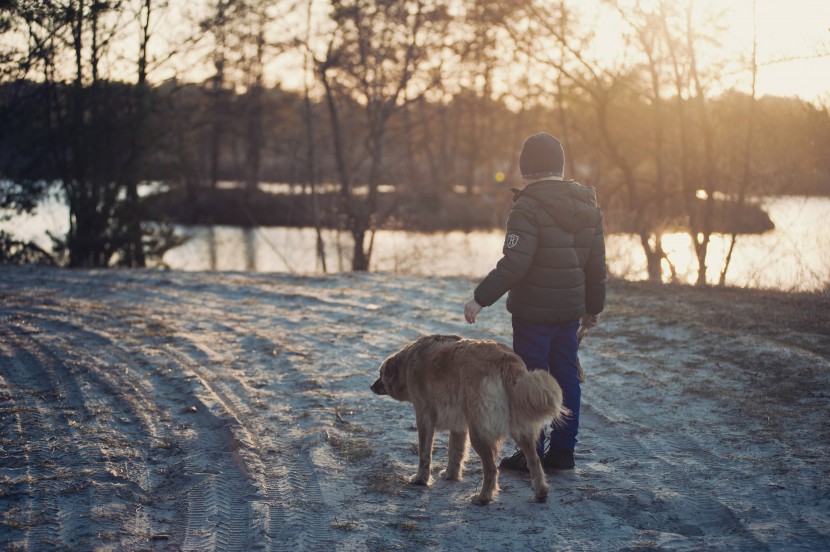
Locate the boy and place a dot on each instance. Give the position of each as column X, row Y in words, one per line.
column 554, row 270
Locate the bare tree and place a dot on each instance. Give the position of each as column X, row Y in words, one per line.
column 747, row 158
column 604, row 87
column 91, row 132
column 255, row 47
column 311, row 152
column 701, row 223
column 134, row 246
column 217, row 25
column 376, row 52
column 647, row 34
column 698, row 171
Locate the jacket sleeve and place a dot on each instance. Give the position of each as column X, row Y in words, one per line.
column 519, row 249
column 595, row 273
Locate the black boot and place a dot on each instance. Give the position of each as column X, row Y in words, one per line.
column 558, row 460
column 517, row 462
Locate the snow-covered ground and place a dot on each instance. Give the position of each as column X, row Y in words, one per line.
column 145, row 410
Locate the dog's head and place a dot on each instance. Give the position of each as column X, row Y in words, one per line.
column 392, row 378
column 395, row 370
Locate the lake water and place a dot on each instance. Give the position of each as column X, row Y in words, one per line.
column 794, row 256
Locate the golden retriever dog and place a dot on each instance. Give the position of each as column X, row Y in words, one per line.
column 476, row 388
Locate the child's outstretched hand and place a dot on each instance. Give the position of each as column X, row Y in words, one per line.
column 590, row 320
column 471, row 310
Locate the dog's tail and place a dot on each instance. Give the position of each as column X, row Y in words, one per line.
column 535, row 398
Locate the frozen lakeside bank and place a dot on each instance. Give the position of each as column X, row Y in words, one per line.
column 169, row 410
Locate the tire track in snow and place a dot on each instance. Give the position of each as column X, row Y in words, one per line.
column 296, row 509
column 286, row 476
column 214, row 497
column 46, row 405
column 141, row 414
column 224, row 500
column 218, row 512
column 294, row 358
column 276, row 486
column 137, row 417
column 19, row 474
column 219, row 515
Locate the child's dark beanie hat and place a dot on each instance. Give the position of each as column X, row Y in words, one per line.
column 542, row 155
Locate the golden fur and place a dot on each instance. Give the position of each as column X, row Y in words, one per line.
column 476, row 388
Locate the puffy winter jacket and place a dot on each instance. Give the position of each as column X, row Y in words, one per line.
column 554, row 255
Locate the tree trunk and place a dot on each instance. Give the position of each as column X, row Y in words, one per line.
column 254, row 112
column 360, row 261
column 254, row 139
column 750, row 129
column 654, row 257
column 217, row 128
column 134, row 254
column 311, row 154
column 134, row 250
column 704, row 233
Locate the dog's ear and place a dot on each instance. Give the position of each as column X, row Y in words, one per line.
column 393, row 377
column 389, row 367
column 378, row 388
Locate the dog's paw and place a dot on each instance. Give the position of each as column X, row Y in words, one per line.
column 541, row 494
column 449, row 475
column 418, row 480
column 480, row 500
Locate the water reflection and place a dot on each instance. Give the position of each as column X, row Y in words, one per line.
column 796, row 255
column 250, row 249
column 211, row 243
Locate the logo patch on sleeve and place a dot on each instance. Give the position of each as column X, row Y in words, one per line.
column 512, row 240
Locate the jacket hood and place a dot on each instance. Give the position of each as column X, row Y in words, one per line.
column 572, row 205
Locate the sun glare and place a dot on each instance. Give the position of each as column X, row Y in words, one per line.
column 793, row 43
column 678, row 248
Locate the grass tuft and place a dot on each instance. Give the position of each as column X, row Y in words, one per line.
column 345, row 526
column 350, row 449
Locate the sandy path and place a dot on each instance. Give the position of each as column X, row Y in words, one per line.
column 182, row 411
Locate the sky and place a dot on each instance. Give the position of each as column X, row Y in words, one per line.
column 786, row 29
column 793, row 43
column 793, row 28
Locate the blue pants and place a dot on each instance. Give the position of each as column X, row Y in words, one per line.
column 553, row 347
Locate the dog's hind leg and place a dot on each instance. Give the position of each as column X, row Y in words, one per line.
column 487, row 450
column 456, row 455
column 537, row 477
column 426, row 436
